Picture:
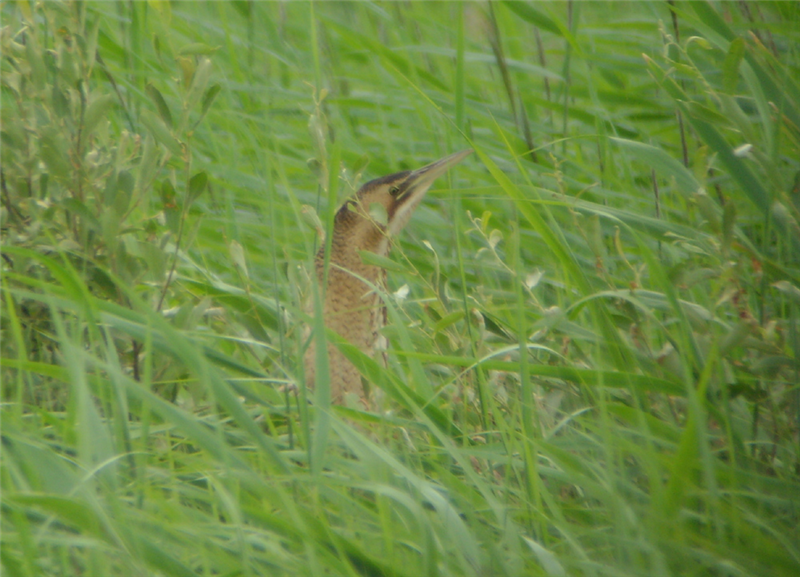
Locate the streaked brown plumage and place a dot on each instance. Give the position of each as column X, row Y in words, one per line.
column 350, row 307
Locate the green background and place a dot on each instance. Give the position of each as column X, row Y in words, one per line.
column 593, row 318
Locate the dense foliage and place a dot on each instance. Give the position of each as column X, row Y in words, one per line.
column 594, row 319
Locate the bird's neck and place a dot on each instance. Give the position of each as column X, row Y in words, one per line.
column 352, row 306
column 345, row 257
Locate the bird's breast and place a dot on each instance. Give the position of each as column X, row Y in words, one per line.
column 352, row 307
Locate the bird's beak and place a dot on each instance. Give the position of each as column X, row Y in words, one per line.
column 416, row 185
column 420, row 180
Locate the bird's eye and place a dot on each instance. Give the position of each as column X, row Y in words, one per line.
column 394, row 190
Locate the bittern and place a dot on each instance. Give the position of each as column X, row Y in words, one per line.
column 365, row 222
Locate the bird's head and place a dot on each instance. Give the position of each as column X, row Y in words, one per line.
column 382, row 207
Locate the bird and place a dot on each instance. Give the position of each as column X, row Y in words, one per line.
column 367, row 221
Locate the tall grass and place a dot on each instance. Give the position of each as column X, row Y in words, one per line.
column 593, row 321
